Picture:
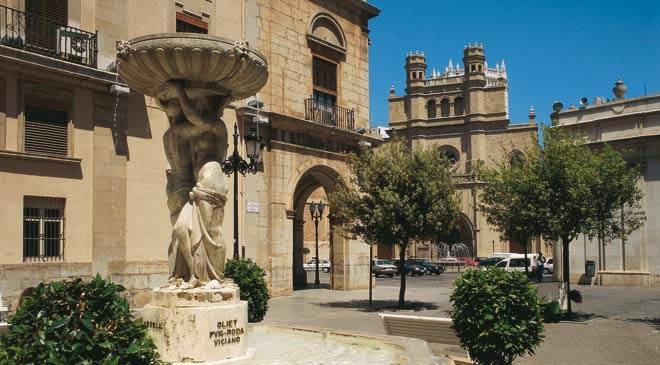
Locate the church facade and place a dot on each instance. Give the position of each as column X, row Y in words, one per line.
column 464, row 111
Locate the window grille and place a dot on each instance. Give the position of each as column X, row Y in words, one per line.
column 43, row 229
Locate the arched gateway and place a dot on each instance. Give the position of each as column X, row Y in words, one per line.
column 349, row 258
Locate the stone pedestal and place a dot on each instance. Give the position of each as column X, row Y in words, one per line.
column 205, row 325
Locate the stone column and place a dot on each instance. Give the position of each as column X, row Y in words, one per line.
column 350, row 262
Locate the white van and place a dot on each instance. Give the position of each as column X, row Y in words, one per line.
column 516, row 263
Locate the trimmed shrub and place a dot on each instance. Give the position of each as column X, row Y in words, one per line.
column 250, row 279
column 496, row 315
column 76, row 322
column 552, row 312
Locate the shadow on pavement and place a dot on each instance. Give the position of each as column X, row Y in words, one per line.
column 381, row 305
column 653, row 322
column 312, row 286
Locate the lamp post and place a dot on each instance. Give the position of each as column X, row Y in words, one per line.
column 235, row 164
column 316, row 210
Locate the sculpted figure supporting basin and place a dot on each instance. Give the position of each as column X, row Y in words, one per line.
column 196, row 193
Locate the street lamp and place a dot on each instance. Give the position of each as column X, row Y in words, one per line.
column 235, row 164
column 316, row 210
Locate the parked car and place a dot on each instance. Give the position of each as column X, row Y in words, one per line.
column 429, row 266
column 383, row 267
column 411, row 269
column 324, row 265
column 549, row 266
column 515, row 264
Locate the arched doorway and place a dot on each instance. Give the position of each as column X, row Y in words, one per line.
column 462, row 233
column 314, row 184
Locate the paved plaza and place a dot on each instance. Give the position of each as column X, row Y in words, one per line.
column 622, row 325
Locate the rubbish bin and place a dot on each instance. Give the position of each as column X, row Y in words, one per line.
column 590, row 268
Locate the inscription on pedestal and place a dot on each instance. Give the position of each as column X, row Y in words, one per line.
column 228, row 332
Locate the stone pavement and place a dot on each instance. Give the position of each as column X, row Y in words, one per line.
column 624, row 328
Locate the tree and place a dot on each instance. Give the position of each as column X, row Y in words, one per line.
column 508, row 199
column 565, row 169
column 397, row 195
column 616, row 200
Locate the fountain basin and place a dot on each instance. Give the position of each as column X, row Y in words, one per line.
column 280, row 345
column 207, row 65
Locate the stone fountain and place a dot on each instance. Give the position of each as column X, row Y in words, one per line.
column 198, row 315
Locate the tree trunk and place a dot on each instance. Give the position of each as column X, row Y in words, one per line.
column 600, row 260
column 567, row 272
column 402, row 263
column 525, row 251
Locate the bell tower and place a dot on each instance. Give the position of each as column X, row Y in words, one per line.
column 415, row 69
column 474, row 61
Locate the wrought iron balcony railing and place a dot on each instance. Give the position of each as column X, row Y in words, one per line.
column 47, row 37
column 335, row 116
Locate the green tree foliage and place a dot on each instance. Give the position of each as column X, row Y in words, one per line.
column 563, row 189
column 397, row 195
column 76, row 322
column 497, row 315
column 250, row 279
column 508, row 199
column 615, row 199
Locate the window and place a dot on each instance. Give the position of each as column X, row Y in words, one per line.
column 450, row 153
column 479, row 67
column 444, row 108
column 324, row 77
column 42, row 21
column 516, row 158
column 189, row 24
column 518, row 263
column 502, row 263
column 472, row 68
column 46, row 129
column 43, row 229
column 458, row 106
column 430, row 109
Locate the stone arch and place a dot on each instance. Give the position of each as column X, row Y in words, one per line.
column 461, row 233
column 444, row 107
column 431, row 107
column 451, row 153
column 459, row 106
column 325, row 28
column 309, row 180
column 514, row 157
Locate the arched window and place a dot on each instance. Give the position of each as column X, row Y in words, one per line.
column 458, row 106
column 516, row 158
column 451, row 154
column 430, row 109
column 328, row 45
column 444, row 108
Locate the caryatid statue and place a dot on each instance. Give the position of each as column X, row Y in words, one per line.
column 193, row 77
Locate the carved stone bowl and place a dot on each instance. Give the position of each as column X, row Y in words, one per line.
column 207, row 65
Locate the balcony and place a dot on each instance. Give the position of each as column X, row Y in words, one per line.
column 47, row 37
column 334, row 116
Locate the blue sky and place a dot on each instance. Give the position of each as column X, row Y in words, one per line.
column 554, row 50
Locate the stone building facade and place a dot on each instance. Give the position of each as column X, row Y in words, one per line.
column 631, row 125
column 464, row 111
column 82, row 162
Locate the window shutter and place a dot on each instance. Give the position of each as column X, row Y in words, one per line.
column 43, row 18
column 46, row 130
